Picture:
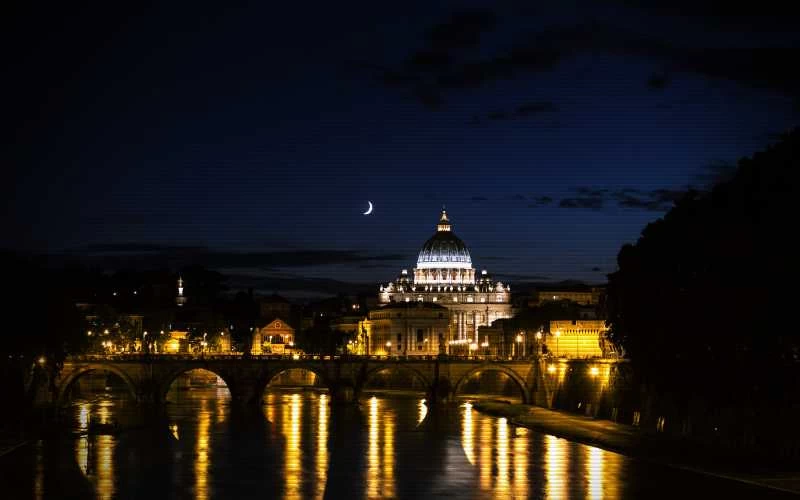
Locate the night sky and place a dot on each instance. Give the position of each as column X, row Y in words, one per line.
column 250, row 138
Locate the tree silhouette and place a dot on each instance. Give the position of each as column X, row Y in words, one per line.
column 700, row 303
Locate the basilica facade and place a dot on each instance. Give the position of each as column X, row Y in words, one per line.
column 444, row 277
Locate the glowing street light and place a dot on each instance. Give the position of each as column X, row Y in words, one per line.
column 42, row 360
column 388, row 346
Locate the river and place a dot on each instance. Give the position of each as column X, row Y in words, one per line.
column 302, row 446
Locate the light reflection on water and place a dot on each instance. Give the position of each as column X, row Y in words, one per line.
column 396, row 448
column 302, row 418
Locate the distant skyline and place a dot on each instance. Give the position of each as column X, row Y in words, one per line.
column 250, row 139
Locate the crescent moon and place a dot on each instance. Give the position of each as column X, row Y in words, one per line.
column 369, row 210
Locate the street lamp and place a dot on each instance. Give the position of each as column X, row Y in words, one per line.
column 388, row 347
column 519, row 341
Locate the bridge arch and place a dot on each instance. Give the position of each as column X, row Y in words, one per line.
column 65, row 385
column 172, row 376
column 399, row 368
column 319, row 373
column 487, row 367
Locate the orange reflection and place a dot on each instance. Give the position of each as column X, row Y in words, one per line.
column 388, row 457
column 423, row 411
column 556, row 467
column 520, row 481
column 602, row 473
column 322, row 446
column 468, row 434
column 270, row 408
column 485, row 464
column 594, row 472
column 105, row 466
column 293, row 464
column 380, row 452
column 502, row 457
column 201, row 461
column 373, row 477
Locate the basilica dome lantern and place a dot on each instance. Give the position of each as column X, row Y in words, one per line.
column 444, row 258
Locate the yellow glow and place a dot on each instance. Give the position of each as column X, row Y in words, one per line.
column 423, row 411
column 105, row 466
column 520, row 480
column 373, row 476
column 388, row 458
column 485, row 465
column 83, row 417
column 468, row 434
column 174, row 430
column 322, row 445
column 270, row 407
column 293, row 463
column 556, row 467
column 594, row 371
column 201, row 461
column 594, row 472
column 502, row 457
column 551, row 368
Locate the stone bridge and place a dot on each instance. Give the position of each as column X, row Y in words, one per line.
column 593, row 386
column 148, row 378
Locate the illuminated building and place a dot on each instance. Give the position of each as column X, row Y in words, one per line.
column 405, row 328
column 590, row 297
column 580, row 339
column 444, row 276
column 274, row 337
column 177, row 342
column 180, row 299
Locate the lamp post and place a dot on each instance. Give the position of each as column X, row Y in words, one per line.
column 538, row 342
column 388, row 347
column 519, row 341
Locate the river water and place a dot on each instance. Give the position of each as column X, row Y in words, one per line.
column 302, row 446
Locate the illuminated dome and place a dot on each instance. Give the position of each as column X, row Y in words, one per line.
column 444, row 250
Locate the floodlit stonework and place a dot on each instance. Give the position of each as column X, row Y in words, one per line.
column 445, row 276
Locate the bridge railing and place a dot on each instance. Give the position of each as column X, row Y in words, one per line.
column 162, row 357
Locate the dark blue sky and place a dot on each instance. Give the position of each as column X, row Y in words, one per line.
column 238, row 136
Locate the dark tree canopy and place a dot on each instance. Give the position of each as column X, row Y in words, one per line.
column 710, row 285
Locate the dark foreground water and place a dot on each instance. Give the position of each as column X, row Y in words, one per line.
column 301, row 446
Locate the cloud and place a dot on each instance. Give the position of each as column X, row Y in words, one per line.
column 544, row 200
column 715, row 172
column 656, row 200
column 526, row 110
column 582, row 202
column 454, row 55
column 146, row 255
